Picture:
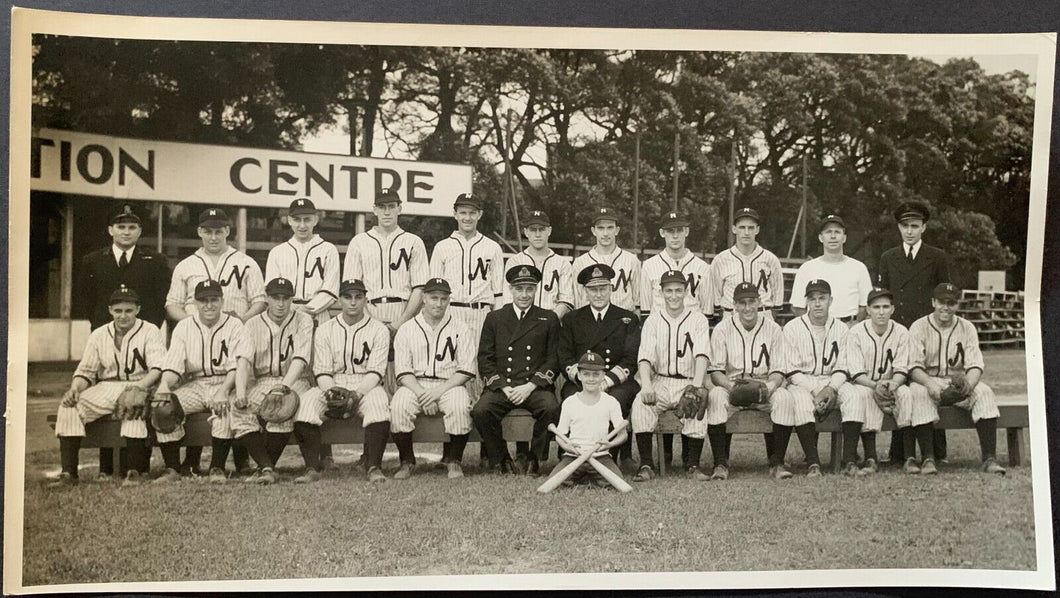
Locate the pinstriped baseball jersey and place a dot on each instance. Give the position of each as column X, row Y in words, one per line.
column 240, row 279
column 730, row 267
column 625, row 288
column 881, row 356
column 276, row 346
column 360, row 348
column 142, row 349
column 312, row 267
column 557, row 279
column 390, row 265
column 737, row 351
column 671, row 345
column 435, row 352
column 697, row 271
column 474, row 268
column 815, row 353
column 944, row 351
column 197, row 351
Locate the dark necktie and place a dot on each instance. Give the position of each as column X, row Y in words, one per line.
column 599, row 318
column 123, row 261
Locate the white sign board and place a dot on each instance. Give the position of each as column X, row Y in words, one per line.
column 101, row 165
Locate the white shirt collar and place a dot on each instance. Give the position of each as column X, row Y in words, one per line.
column 114, row 249
column 601, row 314
column 916, row 248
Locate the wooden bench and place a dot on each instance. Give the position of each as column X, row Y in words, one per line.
column 106, row 432
column 1014, row 419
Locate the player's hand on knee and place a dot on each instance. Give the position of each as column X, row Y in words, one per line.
column 70, row 398
column 430, row 408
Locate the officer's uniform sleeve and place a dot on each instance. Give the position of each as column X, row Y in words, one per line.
column 884, row 275
column 419, row 268
column 403, row 365
column 487, row 354
column 466, row 357
column 565, row 348
column 545, row 376
column 943, row 269
column 323, row 358
column 973, row 356
column 627, row 363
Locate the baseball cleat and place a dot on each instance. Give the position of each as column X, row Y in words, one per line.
column 404, row 472
column 644, row 474
column 267, row 476
column 911, row 466
column 814, row 472
column 375, row 475
column 720, row 473
column 251, row 478
column 928, row 467
column 310, row 476
column 105, row 478
column 65, row 480
column 779, row 472
column 132, row 478
column 168, row 476
column 533, row 468
column 851, row 470
column 992, row 466
column 217, row 476
column 870, row 467
column 455, row 471
column 697, row 475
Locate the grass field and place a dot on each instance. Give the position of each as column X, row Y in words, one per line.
column 341, row 526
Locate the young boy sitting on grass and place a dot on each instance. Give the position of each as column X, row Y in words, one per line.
column 585, row 419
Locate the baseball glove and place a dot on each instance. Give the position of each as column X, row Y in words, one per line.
column 748, row 393
column 132, row 403
column 956, row 392
column 165, row 412
column 341, row 402
column 884, row 396
column 824, row 402
column 279, row 404
column 693, row 403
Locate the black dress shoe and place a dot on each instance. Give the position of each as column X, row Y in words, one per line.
column 507, row 467
column 521, row 464
column 534, row 468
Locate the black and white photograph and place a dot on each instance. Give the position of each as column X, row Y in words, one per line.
column 403, row 306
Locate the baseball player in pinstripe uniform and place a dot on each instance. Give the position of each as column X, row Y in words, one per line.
column 625, row 287
column 676, row 256
column 747, row 261
column 813, row 357
column 349, row 351
column 281, row 341
column 745, row 346
column 674, row 353
column 877, row 350
column 556, row 291
column 944, row 344
column 435, row 356
column 240, row 277
column 202, row 357
column 128, row 351
column 310, row 263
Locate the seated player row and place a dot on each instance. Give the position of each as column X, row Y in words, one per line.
column 216, row 363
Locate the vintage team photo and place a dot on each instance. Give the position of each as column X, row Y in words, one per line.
column 303, row 310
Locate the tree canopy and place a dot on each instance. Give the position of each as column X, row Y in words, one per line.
column 872, row 130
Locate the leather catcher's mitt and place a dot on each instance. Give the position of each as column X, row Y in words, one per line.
column 693, row 403
column 279, row 405
column 748, row 393
column 132, row 403
column 956, row 392
column 166, row 412
column 341, row 402
column 884, row 396
column 824, row 402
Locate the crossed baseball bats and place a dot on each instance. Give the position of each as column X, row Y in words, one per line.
column 613, row 478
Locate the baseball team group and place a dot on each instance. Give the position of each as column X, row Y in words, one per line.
column 590, row 349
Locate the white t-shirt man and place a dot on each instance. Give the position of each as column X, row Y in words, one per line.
column 586, row 425
column 848, row 278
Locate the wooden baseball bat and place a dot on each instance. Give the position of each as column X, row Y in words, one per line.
column 555, row 481
column 616, row 480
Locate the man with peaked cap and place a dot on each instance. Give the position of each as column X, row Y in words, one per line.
column 517, row 358
column 139, row 268
column 609, row 331
column 911, row 271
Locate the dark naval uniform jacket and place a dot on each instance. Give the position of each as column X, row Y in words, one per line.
column 513, row 352
column 616, row 339
column 912, row 282
column 147, row 273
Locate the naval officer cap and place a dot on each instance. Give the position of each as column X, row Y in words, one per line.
column 912, row 210
column 596, row 274
column 124, row 213
column 523, row 275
